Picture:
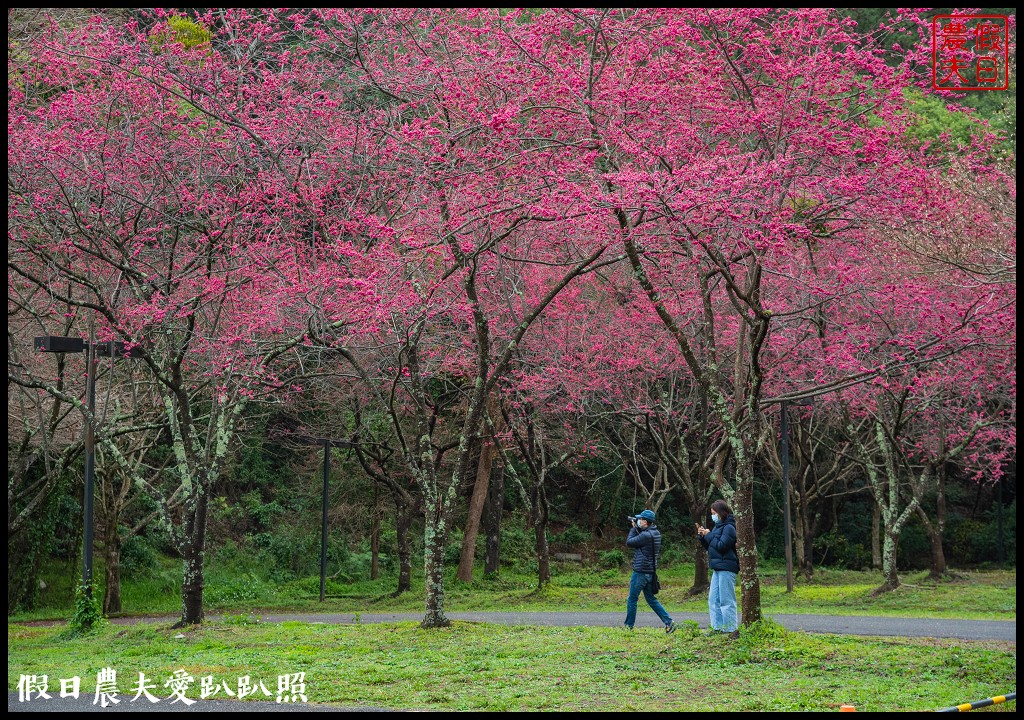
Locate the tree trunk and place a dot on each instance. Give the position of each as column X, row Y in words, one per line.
column 406, row 512
column 701, row 581
column 803, row 536
column 805, row 545
column 492, row 519
column 746, row 544
column 435, row 537
column 891, row 579
column 375, row 548
column 476, row 509
column 938, row 556
column 539, row 518
column 194, row 558
column 112, row 580
column 940, row 518
column 876, row 531
column 192, row 586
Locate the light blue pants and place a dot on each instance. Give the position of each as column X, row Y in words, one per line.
column 722, row 601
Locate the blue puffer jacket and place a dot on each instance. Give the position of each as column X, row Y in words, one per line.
column 721, row 546
column 647, row 544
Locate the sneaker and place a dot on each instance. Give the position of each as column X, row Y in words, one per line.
column 627, row 627
column 670, row 628
column 734, row 635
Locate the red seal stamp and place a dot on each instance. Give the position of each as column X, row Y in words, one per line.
column 970, row 52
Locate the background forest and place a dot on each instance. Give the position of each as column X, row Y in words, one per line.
column 530, row 271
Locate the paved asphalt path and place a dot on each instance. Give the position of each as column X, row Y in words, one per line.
column 1004, row 630
column 838, row 624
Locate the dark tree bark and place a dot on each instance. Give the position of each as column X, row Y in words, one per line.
column 539, row 520
column 112, row 576
column 475, row 512
column 492, row 519
column 407, row 511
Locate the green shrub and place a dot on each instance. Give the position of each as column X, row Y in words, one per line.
column 265, row 515
column 675, row 552
column 138, row 558
column 571, row 537
column 88, row 615
column 517, row 541
column 180, row 30
column 611, row 559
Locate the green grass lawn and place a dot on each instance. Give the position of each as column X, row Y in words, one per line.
column 979, row 595
column 490, row 667
column 476, row 666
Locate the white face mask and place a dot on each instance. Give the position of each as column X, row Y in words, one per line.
column 714, row 517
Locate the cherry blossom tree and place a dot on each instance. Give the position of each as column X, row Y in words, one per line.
column 157, row 179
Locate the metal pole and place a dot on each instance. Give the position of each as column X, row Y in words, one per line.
column 90, row 468
column 323, row 528
column 999, row 517
column 785, row 496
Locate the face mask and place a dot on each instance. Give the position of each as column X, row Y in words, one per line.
column 714, row 517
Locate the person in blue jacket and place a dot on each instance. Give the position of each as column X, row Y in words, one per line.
column 645, row 539
column 720, row 542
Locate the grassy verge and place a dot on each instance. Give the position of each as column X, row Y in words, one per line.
column 474, row 666
column 977, row 595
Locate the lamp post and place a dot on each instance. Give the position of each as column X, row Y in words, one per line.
column 327, row 445
column 785, row 488
column 113, row 348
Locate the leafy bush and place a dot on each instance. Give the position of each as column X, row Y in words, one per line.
column 571, row 537
column 675, row 551
column 181, row 30
column 138, row 558
column 88, row 615
column 295, row 552
column 517, row 541
column 265, row 515
column 611, row 559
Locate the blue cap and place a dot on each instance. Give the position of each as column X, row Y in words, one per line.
column 647, row 515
